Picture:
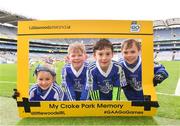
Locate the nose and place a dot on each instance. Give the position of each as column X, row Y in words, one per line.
column 104, row 57
column 128, row 55
column 76, row 57
column 43, row 82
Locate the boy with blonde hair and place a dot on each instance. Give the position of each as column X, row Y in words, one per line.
column 74, row 73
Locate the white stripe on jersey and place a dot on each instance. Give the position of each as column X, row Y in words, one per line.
column 68, row 93
column 31, row 92
column 122, row 77
column 58, row 91
column 64, row 83
column 89, row 82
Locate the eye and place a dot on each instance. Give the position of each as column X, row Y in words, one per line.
column 40, row 79
column 47, row 79
column 107, row 54
column 132, row 51
column 100, row 54
column 125, row 52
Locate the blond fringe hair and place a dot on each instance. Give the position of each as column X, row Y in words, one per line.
column 76, row 46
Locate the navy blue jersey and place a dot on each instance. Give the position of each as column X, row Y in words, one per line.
column 133, row 75
column 53, row 93
column 74, row 81
column 101, row 84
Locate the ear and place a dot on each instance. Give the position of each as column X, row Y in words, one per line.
column 94, row 55
column 35, row 78
column 86, row 56
column 54, row 79
column 66, row 59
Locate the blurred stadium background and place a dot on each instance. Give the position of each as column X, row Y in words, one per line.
column 52, row 51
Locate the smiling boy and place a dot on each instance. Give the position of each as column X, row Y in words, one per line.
column 131, row 64
column 105, row 77
column 74, row 73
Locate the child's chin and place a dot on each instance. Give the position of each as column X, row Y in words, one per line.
column 104, row 66
column 130, row 62
column 44, row 88
column 78, row 65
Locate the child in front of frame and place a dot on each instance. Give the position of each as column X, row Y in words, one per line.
column 74, row 72
column 46, row 88
column 105, row 77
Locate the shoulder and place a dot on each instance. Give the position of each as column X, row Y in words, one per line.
column 116, row 64
column 33, row 88
column 86, row 64
column 157, row 64
column 57, row 91
column 56, row 88
column 67, row 66
column 121, row 61
column 92, row 65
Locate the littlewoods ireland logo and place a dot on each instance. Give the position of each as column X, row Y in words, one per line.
column 135, row 27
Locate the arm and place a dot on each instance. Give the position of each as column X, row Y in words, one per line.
column 15, row 94
column 32, row 93
column 119, row 81
column 85, row 91
column 160, row 74
column 68, row 86
column 92, row 86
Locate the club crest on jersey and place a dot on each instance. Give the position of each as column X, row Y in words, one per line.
column 135, row 27
column 78, row 86
column 106, row 88
column 135, row 84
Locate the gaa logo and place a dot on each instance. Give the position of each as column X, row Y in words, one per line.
column 135, row 27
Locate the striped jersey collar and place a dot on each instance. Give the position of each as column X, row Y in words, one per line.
column 105, row 74
column 135, row 67
column 77, row 73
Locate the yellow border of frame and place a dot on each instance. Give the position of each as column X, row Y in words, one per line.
column 84, row 29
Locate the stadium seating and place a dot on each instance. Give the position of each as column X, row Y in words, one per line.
column 8, row 32
column 166, row 43
column 164, row 56
column 177, row 56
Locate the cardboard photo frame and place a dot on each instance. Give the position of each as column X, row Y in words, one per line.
column 28, row 30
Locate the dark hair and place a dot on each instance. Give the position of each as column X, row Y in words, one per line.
column 129, row 44
column 101, row 44
column 44, row 68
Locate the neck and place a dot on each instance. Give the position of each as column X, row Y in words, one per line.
column 104, row 69
column 77, row 68
column 132, row 65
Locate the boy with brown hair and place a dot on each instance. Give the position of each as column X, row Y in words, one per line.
column 104, row 77
column 131, row 64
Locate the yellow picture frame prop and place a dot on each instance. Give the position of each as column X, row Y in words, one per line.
column 143, row 30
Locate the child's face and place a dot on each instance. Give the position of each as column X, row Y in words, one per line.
column 130, row 54
column 77, row 58
column 104, row 57
column 44, row 79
